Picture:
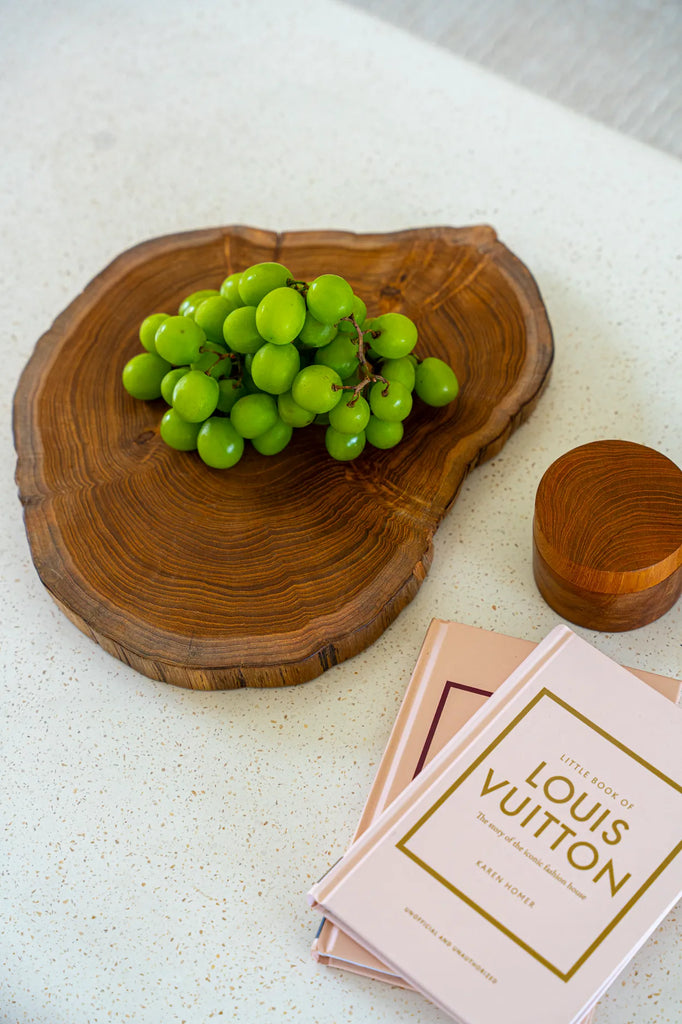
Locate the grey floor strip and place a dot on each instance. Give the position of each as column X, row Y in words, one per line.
column 618, row 61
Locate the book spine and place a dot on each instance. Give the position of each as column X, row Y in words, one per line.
column 402, row 728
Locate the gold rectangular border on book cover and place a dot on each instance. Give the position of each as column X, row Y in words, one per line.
column 402, row 843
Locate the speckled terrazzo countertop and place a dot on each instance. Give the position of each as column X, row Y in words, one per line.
column 156, row 844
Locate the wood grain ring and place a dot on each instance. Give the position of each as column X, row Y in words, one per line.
column 273, row 571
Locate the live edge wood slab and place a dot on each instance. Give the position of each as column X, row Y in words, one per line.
column 270, row 572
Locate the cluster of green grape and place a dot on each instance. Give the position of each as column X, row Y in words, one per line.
column 266, row 354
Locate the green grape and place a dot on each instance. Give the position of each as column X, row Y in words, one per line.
column 219, row 444
column 322, row 419
column 359, row 311
column 314, row 334
column 382, row 434
column 148, row 329
column 397, row 337
column 344, row 447
column 210, row 361
column 317, row 388
column 401, row 370
column 142, row 375
column 254, row 414
column 189, row 305
column 247, row 381
column 273, row 440
column 341, row 354
column 178, row 433
column 436, row 383
column 280, row 315
column 351, row 415
column 211, row 315
column 240, row 331
column 229, row 290
column 261, row 278
column 169, row 382
column 293, row 413
column 354, row 378
column 274, row 367
column 195, row 396
column 393, row 406
column 330, row 298
column 178, row 340
column 230, row 391
column 218, row 368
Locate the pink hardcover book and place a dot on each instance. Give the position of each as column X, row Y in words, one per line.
column 534, row 853
column 458, row 668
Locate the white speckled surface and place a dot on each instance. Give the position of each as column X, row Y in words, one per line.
column 617, row 61
column 156, row 844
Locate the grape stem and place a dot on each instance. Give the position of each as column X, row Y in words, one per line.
column 220, row 356
column 299, row 286
column 365, row 367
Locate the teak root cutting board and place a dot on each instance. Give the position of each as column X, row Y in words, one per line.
column 270, row 572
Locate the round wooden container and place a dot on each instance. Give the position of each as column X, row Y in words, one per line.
column 607, row 535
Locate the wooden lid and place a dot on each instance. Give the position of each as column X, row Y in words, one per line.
column 607, row 534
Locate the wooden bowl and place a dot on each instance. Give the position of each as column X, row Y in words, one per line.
column 272, row 571
column 607, row 535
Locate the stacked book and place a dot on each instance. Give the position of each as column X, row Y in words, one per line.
column 521, row 839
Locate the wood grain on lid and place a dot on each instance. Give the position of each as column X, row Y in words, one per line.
column 608, row 521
